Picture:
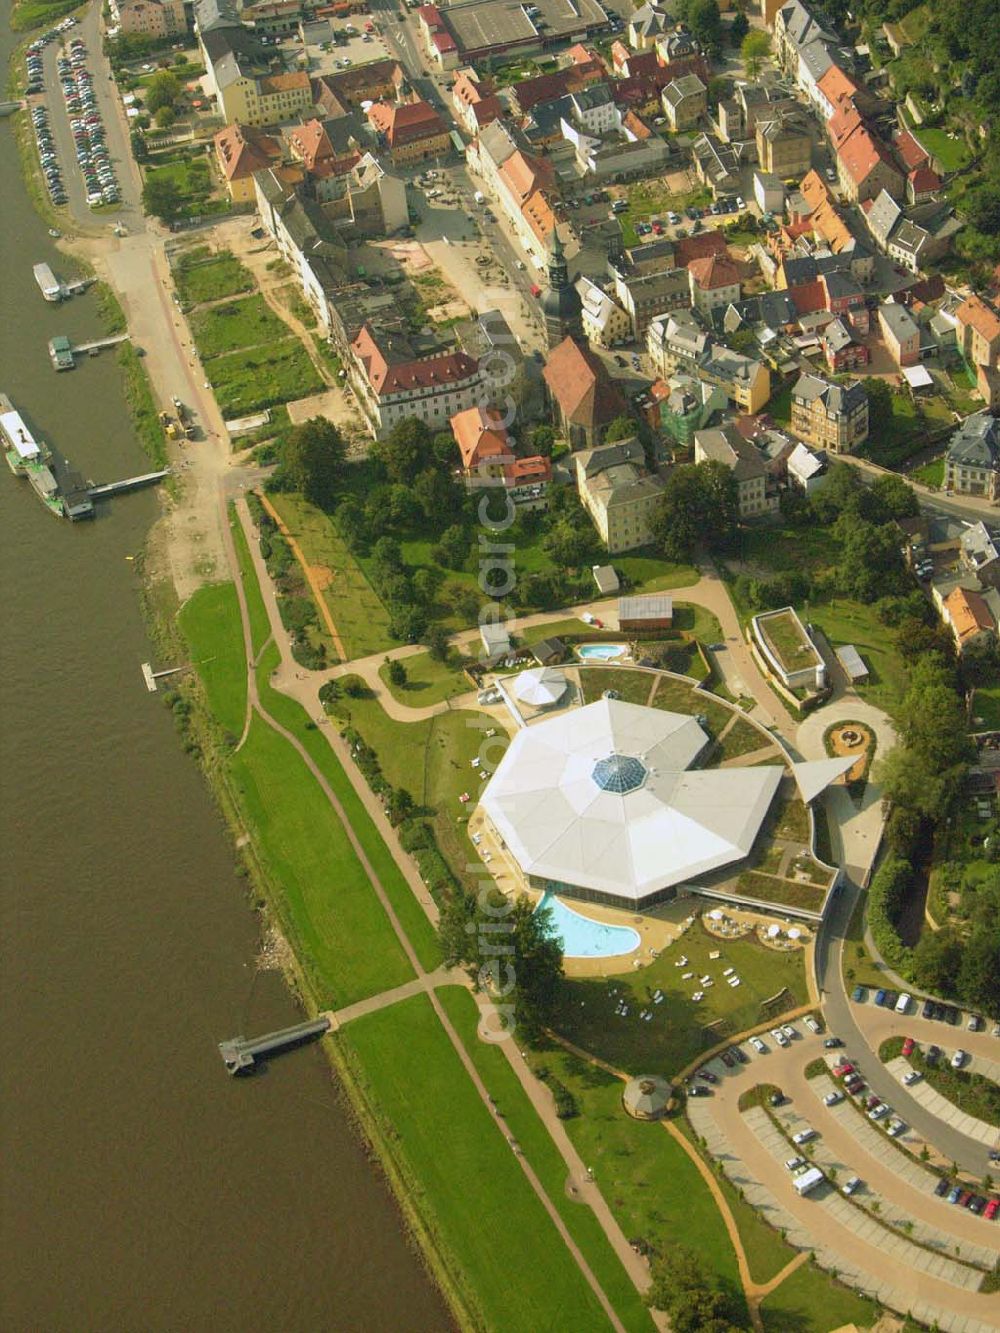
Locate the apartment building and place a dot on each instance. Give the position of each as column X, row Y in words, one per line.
column 619, row 493
column 972, row 463
column 830, row 416
column 391, row 382
column 727, row 446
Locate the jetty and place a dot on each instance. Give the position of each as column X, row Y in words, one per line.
column 127, row 484
column 54, row 290
column 240, row 1054
column 151, row 677
column 98, row 344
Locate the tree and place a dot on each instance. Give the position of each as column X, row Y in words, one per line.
column 978, row 975
column 755, row 48
column 739, row 28
column 452, row 549
column 706, row 24
column 312, row 459
column 165, row 117
column 436, row 494
column 879, row 405
column 425, row 583
column 931, row 718
column 687, row 1290
column 139, row 150
column 505, row 945
column 407, row 622
column 897, row 497
column 622, row 428
column 871, row 562
column 937, row 957
column 351, row 522
column 699, row 506
column 404, row 450
column 399, row 805
column 396, row 672
column 437, row 643
column 542, row 439
column 981, row 661
column 568, row 544
column 161, row 197
column 164, row 90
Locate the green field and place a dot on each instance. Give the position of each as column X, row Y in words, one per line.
column 202, row 274
column 260, row 626
column 742, row 738
column 930, row 474
column 328, row 908
column 953, row 154
column 40, row 13
column 986, row 706
column 634, row 687
column 527, row 1128
column 428, row 681
column 809, row 1301
column 193, row 179
column 249, row 322
column 247, row 381
column 469, row 1184
column 679, row 1029
column 845, row 621
column 210, row 621
column 361, row 619
column 677, row 697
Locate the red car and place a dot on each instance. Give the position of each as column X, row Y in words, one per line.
column 843, row 1070
column 908, row 1046
column 992, row 1208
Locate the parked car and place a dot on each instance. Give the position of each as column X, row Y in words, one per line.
column 942, row 1187
column 908, row 1045
column 832, row 1098
column 779, row 1037
column 933, row 1054
column 811, row 1024
column 975, row 1023
column 976, row 1204
column 832, row 1043
column 912, row 1076
column 880, row 997
column 895, row 1127
column 794, row 1163
column 928, row 1009
column 954, row 1194
column 758, row 1045
column 804, row 1136
column 851, row 1185
column 959, row 1058
column 777, row 1098
column 708, row 1076
column 698, row 1090
column 992, row 1208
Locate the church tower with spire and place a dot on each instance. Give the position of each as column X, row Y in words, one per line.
column 561, row 308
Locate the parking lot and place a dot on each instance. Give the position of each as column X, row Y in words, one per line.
column 893, row 1213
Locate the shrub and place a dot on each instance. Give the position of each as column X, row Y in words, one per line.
column 886, row 899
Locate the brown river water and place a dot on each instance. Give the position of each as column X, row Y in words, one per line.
column 140, row 1187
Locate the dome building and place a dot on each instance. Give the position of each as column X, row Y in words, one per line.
column 602, row 803
column 562, row 309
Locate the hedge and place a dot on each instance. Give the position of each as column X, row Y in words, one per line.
column 886, row 898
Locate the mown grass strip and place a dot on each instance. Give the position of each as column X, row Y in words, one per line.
column 469, row 1186
column 292, row 715
column 210, row 621
column 334, row 921
column 536, row 1143
column 260, row 625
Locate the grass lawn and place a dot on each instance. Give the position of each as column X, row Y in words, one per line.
column 844, row 621
column 930, row 474
column 249, row 322
column 860, row 968
column 260, row 625
column 651, row 573
column 468, row 1183
column 536, row 1143
column 680, row 1028
column 210, row 621
column 772, row 889
column 433, row 761
column 780, row 405
column 809, row 1301
column 986, row 706
column 632, row 686
column 411, row 915
column 202, row 275
column 245, row 382
column 358, row 613
column 326, row 904
column 650, row 1183
column 951, row 153
column 428, row 681
column 704, row 625
column 780, row 547
column 193, row 179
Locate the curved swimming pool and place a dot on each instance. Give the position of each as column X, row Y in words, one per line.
column 602, row 652
column 584, row 938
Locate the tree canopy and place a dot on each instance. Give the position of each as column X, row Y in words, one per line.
column 685, row 1288
column 163, row 90
column 700, row 506
column 312, row 461
column 755, row 48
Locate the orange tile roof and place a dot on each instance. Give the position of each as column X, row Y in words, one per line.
column 823, row 216
column 523, row 176
column 837, row 86
column 242, row 150
column 910, row 152
column 407, row 122
column 861, row 153
column 539, row 216
column 285, row 83
column 579, row 382
column 968, row 613
column 312, row 143
column 976, row 314
column 521, row 471
column 481, row 436
column 387, row 377
column 843, row 123
column 714, row 271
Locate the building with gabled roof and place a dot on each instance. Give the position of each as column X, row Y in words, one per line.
column 240, row 150
column 830, row 416
column 725, row 444
column 835, row 89
column 605, row 322
column 968, row 616
column 411, row 131
column 619, row 493
column 979, row 331
column 584, row 398
column 715, row 281
column 391, row 382
column 865, row 167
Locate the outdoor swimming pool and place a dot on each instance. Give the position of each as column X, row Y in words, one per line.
column 601, row 652
column 584, row 938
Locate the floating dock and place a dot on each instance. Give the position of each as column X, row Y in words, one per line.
column 54, row 290
column 240, row 1054
column 61, row 353
column 128, row 484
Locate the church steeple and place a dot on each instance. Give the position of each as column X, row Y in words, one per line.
column 561, row 305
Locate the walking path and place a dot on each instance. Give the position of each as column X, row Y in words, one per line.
column 424, row 980
column 310, row 575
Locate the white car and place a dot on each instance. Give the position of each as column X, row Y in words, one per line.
column 804, row 1136
column 740, row 203
column 794, row 1163
column 790, row 1032
column 895, row 1127
column 851, row 1185
column 779, row 1036
column 832, row 1098
column 812, row 1025
column 959, row 1058
column 914, row 1076
column 758, row 1045
column 879, row 1112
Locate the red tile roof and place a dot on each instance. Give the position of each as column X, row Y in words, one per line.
column 579, row 382
column 312, row 143
column 714, row 271
column 861, row 154
column 910, row 152
column 808, row 297
column 837, row 86
column 481, row 437
column 923, row 179
column 706, row 243
column 406, row 122
column 242, row 150
column 387, row 377
column 524, row 471
column 976, row 314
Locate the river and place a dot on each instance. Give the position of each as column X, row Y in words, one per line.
column 141, row 1188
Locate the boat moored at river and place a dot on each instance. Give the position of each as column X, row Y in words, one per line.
column 32, row 459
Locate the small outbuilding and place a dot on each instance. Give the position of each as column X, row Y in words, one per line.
column 541, row 687
column 606, row 579
column 647, row 1097
column 495, row 640
column 655, row 610
column 853, row 663
column 549, row 652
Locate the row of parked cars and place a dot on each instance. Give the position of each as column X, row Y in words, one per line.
column 33, row 55
column 877, row 1111
column 47, row 155
column 931, row 1009
column 87, row 127
column 966, row 1198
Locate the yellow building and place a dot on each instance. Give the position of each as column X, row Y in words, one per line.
column 830, row 416
column 620, row 495
column 240, row 151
